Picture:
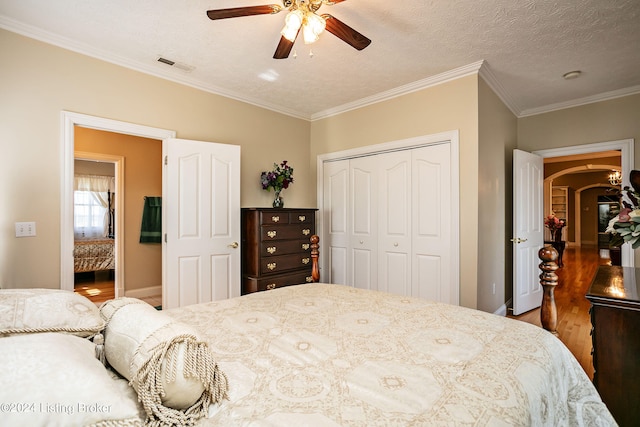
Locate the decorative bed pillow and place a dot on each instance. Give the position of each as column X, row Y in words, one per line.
column 54, row 379
column 170, row 368
column 25, row 311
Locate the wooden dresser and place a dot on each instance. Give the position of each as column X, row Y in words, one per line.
column 615, row 317
column 276, row 248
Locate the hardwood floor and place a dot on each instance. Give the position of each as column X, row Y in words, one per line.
column 97, row 286
column 574, row 323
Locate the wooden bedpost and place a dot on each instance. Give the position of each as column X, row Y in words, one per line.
column 548, row 279
column 315, row 270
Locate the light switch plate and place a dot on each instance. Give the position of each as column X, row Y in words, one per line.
column 25, row 229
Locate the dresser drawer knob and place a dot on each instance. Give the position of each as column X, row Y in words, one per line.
column 309, row 279
column 271, row 233
column 305, row 246
column 275, row 218
column 271, row 266
column 271, row 250
column 271, row 286
column 306, row 231
column 306, row 260
column 302, row 218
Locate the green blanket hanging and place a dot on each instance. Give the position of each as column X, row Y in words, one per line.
column 151, row 230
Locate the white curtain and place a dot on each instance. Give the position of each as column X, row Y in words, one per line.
column 91, row 205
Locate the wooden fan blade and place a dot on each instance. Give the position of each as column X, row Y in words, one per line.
column 236, row 12
column 345, row 32
column 284, row 47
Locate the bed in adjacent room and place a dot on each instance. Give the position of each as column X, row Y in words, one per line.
column 93, row 255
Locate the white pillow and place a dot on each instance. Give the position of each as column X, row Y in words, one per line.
column 54, row 379
column 170, row 368
column 47, row 310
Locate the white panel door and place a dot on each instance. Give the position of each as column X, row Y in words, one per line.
column 363, row 241
column 201, row 220
column 431, row 224
column 528, row 177
column 336, row 222
column 394, row 223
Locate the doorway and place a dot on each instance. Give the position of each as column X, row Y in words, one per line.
column 95, row 269
column 590, row 159
column 69, row 122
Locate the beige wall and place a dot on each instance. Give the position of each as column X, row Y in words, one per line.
column 38, row 81
column 142, row 177
column 449, row 106
column 611, row 120
column 497, row 140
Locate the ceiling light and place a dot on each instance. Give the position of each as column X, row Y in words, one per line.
column 292, row 23
column 615, row 178
column 313, row 27
column 571, row 75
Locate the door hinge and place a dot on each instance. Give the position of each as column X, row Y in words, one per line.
column 166, row 160
column 165, row 237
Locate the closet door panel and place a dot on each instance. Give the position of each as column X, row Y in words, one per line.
column 431, row 222
column 336, row 224
column 363, row 241
column 394, row 226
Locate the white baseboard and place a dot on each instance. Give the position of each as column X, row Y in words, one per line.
column 502, row 310
column 151, row 291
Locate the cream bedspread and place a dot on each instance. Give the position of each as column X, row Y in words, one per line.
column 330, row 355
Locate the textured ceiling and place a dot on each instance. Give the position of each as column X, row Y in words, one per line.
column 523, row 48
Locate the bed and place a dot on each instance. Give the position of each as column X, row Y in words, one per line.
column 314, row 354
column 332, row 355
column 93, row 255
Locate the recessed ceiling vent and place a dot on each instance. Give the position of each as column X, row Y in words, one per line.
column 179, row 65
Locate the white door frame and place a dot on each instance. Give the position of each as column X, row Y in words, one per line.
column 453, row 137
column 626, row 162
column 118, row 164
column 68, row 121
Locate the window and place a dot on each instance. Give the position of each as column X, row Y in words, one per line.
column 88, row 216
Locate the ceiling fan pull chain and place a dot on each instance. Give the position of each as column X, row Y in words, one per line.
column 310, row 53
column 295, row 54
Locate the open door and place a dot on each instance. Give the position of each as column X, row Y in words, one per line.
column 528, row 232
column 201, row 222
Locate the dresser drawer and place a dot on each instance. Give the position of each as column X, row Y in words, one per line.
column 253, row 284
column 301, row 218
column 280, row 232
column 283, row 247
column 278, row 264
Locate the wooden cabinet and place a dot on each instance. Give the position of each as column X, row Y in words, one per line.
column 276, row 250
column 615, row 316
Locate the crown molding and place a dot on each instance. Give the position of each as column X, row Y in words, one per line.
column 153, row 70
column 606, row 96
column 481, row 68
column 447, row 76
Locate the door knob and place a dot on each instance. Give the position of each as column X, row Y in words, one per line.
column 518, row 240
column 234, row 245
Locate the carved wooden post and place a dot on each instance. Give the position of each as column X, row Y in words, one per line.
column 548, row 279
column 315, row 270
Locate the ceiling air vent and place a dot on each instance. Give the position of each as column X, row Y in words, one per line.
column 179, row 65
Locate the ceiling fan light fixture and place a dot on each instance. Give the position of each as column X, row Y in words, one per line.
column 292, row 23
column 313, row 26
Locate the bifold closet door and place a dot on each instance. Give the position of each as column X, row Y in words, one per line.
column 335, row 217
column 363, row 230
column 394, row 226
column 431, row 224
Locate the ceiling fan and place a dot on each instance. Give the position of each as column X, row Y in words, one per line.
column 301, row 17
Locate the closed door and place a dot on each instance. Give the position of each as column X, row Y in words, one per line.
column 202, row 222
column 399, row 234
column 363, row 229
